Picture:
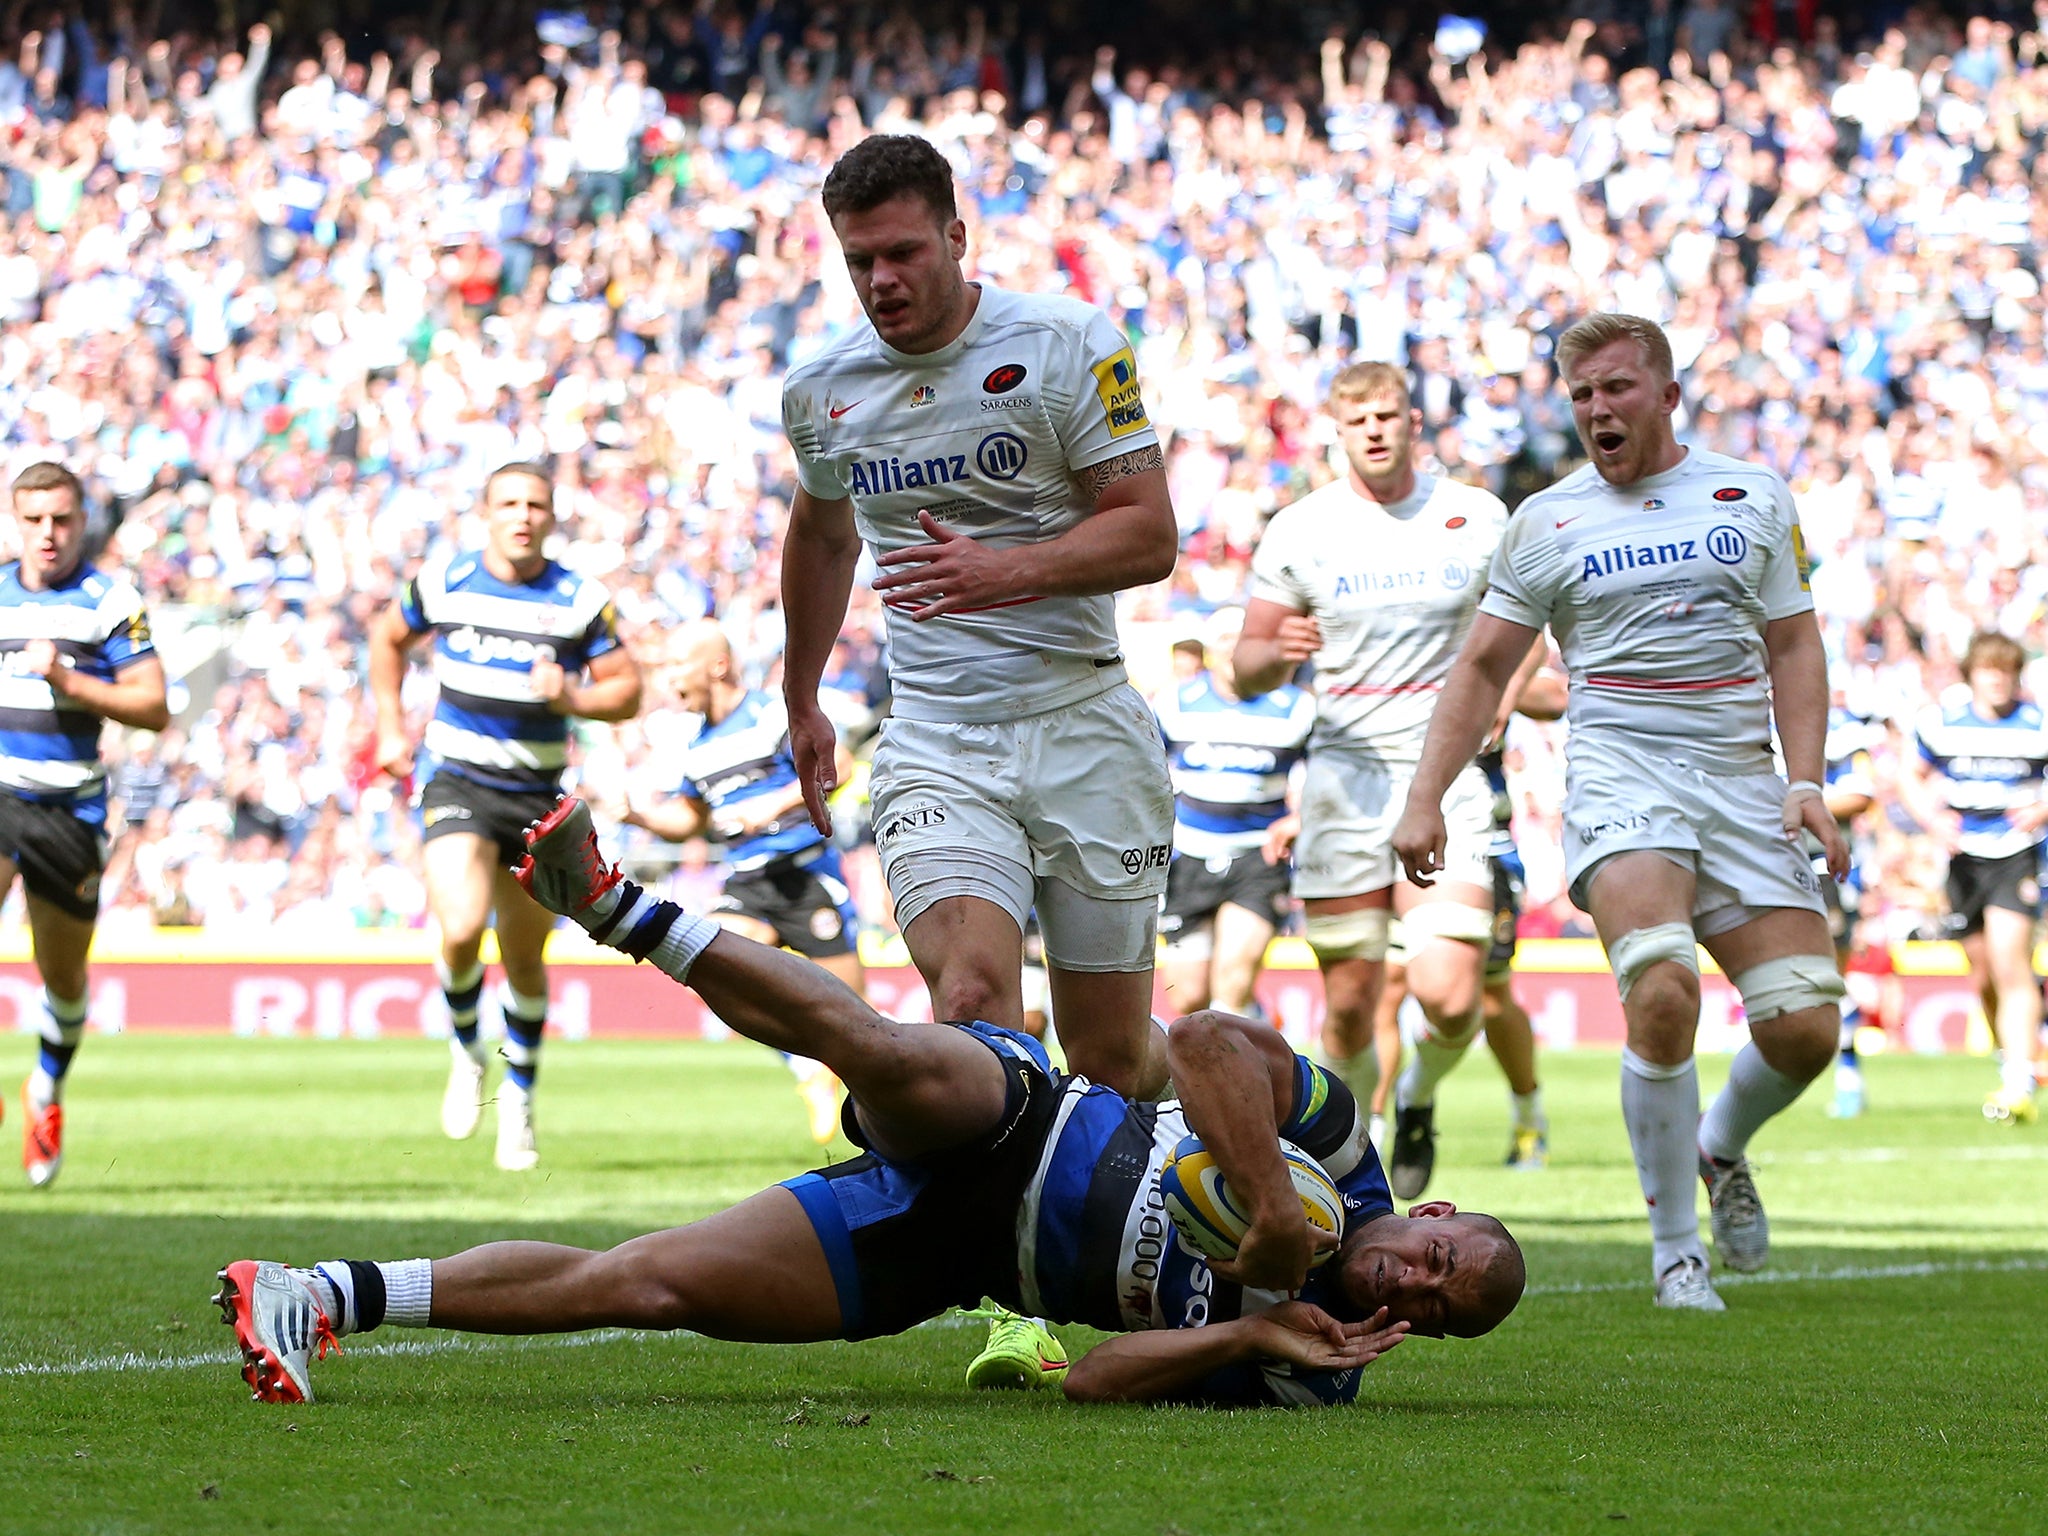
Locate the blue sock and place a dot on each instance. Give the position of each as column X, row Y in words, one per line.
column 463, row 994
column 1852, row 1020
column 525, row 1020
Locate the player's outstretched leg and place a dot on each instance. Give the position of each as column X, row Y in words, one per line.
column 756, row 1273
column 918, row 1087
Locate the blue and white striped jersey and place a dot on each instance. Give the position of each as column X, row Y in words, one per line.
column 489, row 725
column 50, row 748
column 1989, row 768
column 743, row 757
column 1095, row 1247
column 1230, row 759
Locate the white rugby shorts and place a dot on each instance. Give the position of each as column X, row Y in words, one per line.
column 1728, row 828
column 1078, row 793
column 1350, row 804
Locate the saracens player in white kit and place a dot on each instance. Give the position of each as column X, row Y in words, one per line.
column 993, row 451
column 1377, row 577
column 1675, row 583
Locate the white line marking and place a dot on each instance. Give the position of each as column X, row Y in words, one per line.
column 481, row 1344
column 1808, row 1276
column 2005, row 1154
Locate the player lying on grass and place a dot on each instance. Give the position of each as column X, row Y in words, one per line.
column 986, row 1174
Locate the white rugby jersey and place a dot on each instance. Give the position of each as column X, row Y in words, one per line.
column 1393, row 589
column 1658, row 594
column 986, row 434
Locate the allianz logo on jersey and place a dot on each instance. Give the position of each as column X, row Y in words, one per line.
column 999, row 456
column 1728, row 546
column 474, row 645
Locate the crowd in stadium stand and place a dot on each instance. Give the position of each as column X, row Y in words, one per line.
column 286, row 305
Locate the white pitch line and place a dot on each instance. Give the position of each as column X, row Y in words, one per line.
column 472, row 1344
column 130, row 1361
column 1811, row 1276
column 2005, row 1154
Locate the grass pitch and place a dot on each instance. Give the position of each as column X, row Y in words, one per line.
column 1884, row 1374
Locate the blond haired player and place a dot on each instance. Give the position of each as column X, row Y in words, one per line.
column 1674, row 581
column 1376, row 578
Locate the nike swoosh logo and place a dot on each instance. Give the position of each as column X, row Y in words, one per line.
column 837, row 411
column 1570, row 520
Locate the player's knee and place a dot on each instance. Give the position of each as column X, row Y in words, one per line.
column 1664, row 1000
column 1114, row 1058
column 640, row 1292
column 970, row 991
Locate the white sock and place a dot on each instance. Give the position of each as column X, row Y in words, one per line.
column 1432, row 1062
column 1754, row 1092
column 408, row 1292
column 804, row 1067
column 1360, row 1073
column 1376, row 1131
column 687, row 937
column 335, row 1291
column 43, row 1089
column 1527, row 1109
column 2016, row 1076
column 1661, row 1107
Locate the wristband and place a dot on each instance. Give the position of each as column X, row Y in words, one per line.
column 1804, row 787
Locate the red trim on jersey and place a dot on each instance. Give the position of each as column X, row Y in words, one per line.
column 1011, row 602
column 1655, row 685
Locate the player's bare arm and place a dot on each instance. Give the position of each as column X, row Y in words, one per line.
column 1163, row 1363
column 1465, row 710
column 1799, row 704
column 1274, row 641
column 1236, row 1082
column 818, row 559
column 1130, row 540
column 674, row 820
column 390, row 639
column 134, row 698
column 612, row 693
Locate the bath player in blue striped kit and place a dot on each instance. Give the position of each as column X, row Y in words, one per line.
column 521, row 645
column 75, row 652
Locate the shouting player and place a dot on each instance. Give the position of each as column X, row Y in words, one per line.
column 985, row 1173
column 78, row 653
column 1376, row 578
column 1674, row 581
column 521, row 645
column 1226, row 891
column 783, row 883
column 993, row 452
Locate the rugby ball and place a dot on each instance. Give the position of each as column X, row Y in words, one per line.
column 1207, row 1214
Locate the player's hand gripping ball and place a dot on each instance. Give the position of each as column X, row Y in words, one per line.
column 1210, row 1218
